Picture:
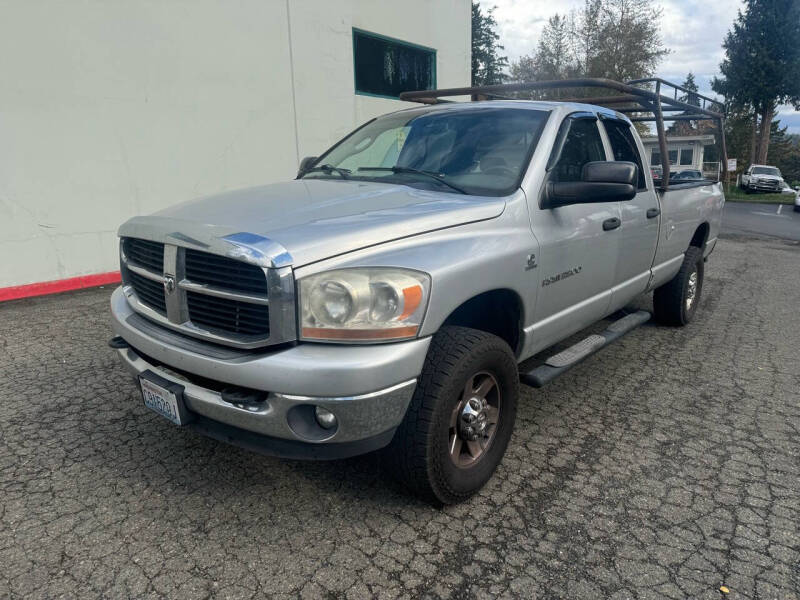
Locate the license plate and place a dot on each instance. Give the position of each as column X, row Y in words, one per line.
column 163, row 397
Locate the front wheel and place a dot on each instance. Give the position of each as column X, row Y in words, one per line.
column 675, row 302
column 460, row 419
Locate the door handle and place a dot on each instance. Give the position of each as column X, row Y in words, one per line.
column 652, row 213
column 612, row 223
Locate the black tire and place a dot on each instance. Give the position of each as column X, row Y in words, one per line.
column 420, row 452
column 670, row 300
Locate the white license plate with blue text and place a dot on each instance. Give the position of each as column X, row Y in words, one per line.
column 161, row 401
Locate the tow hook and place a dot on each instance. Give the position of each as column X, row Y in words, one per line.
column 243, row 397
column 118, row 343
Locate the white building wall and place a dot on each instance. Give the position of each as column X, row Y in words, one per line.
column 117, row 108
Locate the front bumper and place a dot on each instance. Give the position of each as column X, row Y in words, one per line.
column 368, row 388
column 763, row 186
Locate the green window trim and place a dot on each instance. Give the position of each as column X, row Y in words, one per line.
column 370, row 36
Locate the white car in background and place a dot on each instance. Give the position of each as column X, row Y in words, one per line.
column 794, row 192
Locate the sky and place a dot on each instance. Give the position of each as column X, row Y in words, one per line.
column 692, row 29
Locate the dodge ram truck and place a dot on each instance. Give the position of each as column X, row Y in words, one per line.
column 385, row 297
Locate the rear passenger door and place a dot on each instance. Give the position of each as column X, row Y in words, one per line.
column 640, row 219
column 578, row 255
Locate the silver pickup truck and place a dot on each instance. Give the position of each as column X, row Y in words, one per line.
column 385, row 298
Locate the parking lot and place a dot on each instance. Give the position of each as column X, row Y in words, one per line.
column 752, row 219
column 663, row 467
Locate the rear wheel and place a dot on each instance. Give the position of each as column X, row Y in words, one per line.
column 460, row 419
column 675, row 302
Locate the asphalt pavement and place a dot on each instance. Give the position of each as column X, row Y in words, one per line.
column 750, row 218
column 665, row 466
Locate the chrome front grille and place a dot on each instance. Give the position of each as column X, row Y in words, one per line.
column 234, row 275
column 228, row 315
column 145, row 266
column 145, row 253
column 207, row 295
column 149, row 292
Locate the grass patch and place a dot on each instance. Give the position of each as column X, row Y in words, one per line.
column 734, row 194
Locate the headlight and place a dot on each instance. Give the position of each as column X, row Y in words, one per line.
column 363, row 304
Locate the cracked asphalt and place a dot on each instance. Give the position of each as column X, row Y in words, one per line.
column 666, row 466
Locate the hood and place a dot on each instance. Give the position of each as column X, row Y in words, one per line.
column 768, row 177
column 304, row 221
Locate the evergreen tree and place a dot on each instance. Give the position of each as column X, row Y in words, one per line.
column 487, row 63
column 761, row 68
column 690, row 84
column 689, row 127
column 785, row 153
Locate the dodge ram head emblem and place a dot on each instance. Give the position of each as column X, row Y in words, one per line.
column 169, row 284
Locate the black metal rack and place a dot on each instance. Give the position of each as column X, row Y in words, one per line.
column 643, row 103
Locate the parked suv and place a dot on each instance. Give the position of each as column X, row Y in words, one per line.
column 385, row 298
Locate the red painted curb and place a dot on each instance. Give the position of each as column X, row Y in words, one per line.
column 54, row 287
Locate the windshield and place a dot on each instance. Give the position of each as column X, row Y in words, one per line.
column 481, row 150
column 766, row 171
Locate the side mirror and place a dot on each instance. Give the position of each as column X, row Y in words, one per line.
column 306, row 164
column 601, row 181
column 797, row 187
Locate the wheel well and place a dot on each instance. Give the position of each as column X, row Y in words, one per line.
column 498, row 312
column 700, row 236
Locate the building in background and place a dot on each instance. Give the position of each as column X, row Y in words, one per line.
column 117, row 108
column 686, row 152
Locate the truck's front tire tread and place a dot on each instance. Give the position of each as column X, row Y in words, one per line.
column 413, row 454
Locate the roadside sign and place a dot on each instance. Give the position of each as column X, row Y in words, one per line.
column 731, row 164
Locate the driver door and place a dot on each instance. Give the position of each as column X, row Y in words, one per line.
column 579, row 243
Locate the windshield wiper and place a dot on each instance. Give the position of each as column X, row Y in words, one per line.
column 343, row 173
column 436, row 176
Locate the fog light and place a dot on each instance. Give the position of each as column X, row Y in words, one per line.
column 325, row 418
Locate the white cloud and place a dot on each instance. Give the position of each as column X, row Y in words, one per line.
column 694, row 31
column 520, row 22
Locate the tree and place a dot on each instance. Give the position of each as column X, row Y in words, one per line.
column 627, row 44
column 555, row 56
column 785, row 153
column 690, row 84
column 524, row 69
column 761, row 69
column 487, row 63
column 617, row 39
column 690, row 127
column 784, row 148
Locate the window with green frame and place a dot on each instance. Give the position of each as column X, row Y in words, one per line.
column 386, row 67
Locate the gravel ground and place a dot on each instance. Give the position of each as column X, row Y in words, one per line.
column 663, row 467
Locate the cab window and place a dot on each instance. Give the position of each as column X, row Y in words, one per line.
column 623, row 145
column 582, row 144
